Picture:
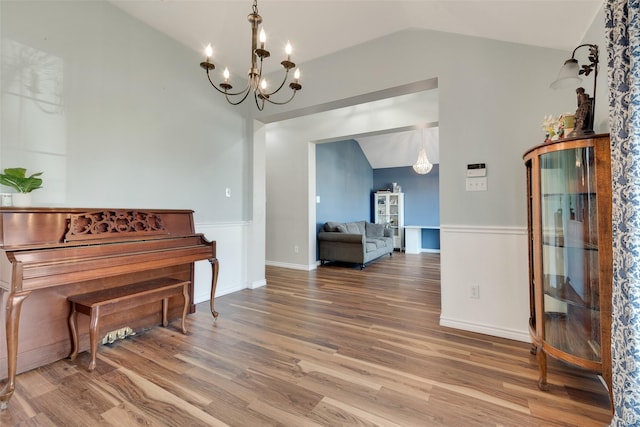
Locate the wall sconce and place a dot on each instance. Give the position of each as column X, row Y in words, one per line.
column 569, row 76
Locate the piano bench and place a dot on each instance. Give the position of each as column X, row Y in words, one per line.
column 108, row 301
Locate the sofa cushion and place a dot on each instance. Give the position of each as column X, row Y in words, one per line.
column 374, row 230
column 352, row 227
column 331, row 226
column 370, row 246
column 379, row 242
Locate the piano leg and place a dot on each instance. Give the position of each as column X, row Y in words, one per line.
column 73, row 326
column 14, row 304
column 214, row 283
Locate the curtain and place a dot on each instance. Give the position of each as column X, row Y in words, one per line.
column 623, row 54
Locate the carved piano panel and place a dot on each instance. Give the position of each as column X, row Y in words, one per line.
column 48, row 254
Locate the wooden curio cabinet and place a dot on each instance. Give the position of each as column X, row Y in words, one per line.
column 570, row 255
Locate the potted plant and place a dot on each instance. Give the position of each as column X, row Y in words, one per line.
column 17, row 179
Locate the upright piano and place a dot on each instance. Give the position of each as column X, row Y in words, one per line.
column 48, row 254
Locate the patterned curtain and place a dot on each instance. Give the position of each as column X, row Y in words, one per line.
column 623, row 34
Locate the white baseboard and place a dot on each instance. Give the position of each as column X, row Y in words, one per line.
column 511, row 334
column 291, row 266
column 257, row 284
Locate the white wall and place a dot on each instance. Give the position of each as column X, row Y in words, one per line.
column 118, row 115
column 492, row 98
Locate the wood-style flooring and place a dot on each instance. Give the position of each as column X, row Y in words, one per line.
column 333, row 347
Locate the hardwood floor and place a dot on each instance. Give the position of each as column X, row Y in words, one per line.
column 332, row 347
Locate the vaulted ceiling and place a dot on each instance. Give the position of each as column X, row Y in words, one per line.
column 320, row 27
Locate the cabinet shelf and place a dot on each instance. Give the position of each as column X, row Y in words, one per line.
column 565, row 292
column 585, row 247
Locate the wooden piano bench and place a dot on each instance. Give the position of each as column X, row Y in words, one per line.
column 108, row 301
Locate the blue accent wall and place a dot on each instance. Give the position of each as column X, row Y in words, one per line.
column 421, row 193
column 344, row 180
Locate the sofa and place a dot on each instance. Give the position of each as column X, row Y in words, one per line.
column 354, row 242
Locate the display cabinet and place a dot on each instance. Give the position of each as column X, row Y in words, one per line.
column 570, row 255
column 389, row 210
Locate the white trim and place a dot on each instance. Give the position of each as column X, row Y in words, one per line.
column 511, row 334
column 483, row 229
column 432, row 251
column 226, row 290
column 257, row 284
column 291, row 266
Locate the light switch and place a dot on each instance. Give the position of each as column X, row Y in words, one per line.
column 227, row 192
column 476, row 184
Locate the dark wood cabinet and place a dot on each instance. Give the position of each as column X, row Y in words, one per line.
column 570, row 254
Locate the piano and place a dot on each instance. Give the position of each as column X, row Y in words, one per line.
column 48, row 254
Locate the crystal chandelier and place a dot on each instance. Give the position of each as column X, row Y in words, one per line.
column 256, row 83
column 423, row 165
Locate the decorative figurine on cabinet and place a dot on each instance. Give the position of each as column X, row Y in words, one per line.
column 584, row 114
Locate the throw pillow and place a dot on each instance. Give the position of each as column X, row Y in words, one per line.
column 331, row 226
column 375, row 230
column 353, row 228
column 342, row 228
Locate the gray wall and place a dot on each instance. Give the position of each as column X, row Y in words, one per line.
column 116, row 114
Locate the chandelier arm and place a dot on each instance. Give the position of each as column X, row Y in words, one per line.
column 224, row 92
column 260, row 92
column 259, row 105
column 282, row 102
column 286, row 74
column 246, row 93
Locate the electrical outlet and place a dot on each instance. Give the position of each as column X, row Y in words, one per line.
column 296, row 249
column 475, row 291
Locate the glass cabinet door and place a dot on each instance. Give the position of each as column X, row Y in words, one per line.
column 381, row 207
column 568, row 214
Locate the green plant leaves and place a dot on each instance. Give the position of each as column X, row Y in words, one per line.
column 17, row 179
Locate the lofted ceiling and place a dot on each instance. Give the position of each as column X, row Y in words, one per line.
column 317, row 28
column 399, row 149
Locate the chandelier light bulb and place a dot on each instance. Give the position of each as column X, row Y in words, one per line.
column 263, row 84
column 288, row 50
column 208, row 51
column 296, row 75
column 225, row 74
column 263, row 38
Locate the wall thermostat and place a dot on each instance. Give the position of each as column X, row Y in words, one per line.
column 477, row 169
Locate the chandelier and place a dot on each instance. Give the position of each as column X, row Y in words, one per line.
column 423, row 165
column 256, row 82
